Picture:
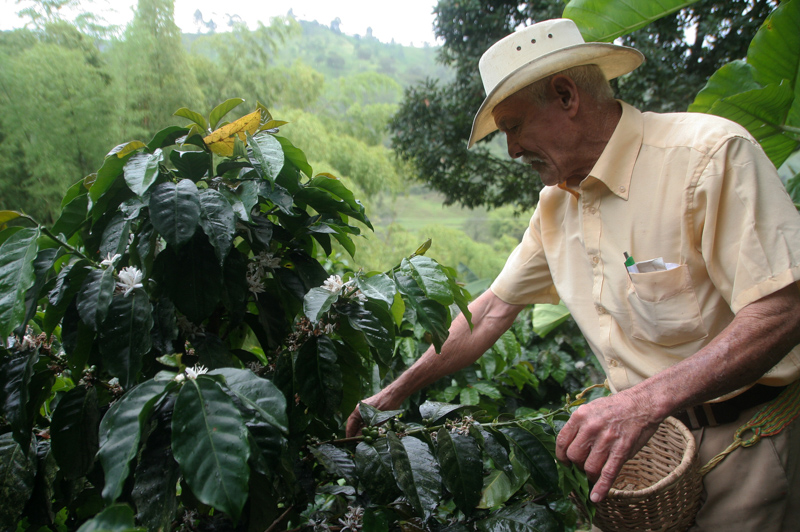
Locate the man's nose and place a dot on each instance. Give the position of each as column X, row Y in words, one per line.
column 514, row 149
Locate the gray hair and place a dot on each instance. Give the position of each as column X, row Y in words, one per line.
column 589, row 78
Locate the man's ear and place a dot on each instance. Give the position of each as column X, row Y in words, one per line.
column 567, row 93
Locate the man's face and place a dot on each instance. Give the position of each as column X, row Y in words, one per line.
column 541, row 136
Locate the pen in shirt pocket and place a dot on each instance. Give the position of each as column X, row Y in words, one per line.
column 630, row 263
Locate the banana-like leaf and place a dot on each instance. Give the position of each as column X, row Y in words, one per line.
column 763, row 113
column 17, row 476
column 175, row 211
column 605, row 20
column 548, row 317
column 74, row 431
column 120, row 432
column 218, row 221
column 462, row 470
column 141, row 171
column 430, row 277
column 416, row 472
column 16, row 277
column 95, row 297
column 209, row 440
column 730, row 79
column 125, row 336
column 336, row 461
column 222, row 109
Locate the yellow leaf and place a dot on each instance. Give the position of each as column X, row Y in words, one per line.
column 7, row 216
column 221, row 140
column 89, row 180
column 329, row 176
column 130, row 148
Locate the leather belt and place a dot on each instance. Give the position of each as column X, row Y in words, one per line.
column 713, row 414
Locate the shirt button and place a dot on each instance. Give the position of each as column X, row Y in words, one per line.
column 622, row 190
column 613, row 363
column 595, row 259
column 592, row 210
column 600, row 309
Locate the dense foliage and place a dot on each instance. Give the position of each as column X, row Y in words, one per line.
column 684, row 43
column 176, row 356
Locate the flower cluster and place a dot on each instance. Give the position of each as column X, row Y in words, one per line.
column 258, row 268
column 191, row 373
column 353, row 518
column 461, row 427
column 129, row 278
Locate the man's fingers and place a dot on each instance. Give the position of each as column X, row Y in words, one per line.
column 613, row 465
column 354, row 424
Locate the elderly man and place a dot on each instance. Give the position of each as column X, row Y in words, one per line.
column 704, row 326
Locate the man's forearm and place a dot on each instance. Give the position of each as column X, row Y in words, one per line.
column 491, row 317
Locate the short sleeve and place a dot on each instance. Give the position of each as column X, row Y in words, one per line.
column 746, row 226
column 525, row 278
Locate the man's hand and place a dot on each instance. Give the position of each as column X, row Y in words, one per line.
column 380, row 401
column 602, row 435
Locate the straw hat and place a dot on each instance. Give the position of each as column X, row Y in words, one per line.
column 536, row 52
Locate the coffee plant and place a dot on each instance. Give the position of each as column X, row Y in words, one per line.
column 175, row 357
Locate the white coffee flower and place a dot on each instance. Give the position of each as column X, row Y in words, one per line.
column 333, row 284
column 580, row 364
column 130, row 278
column 254, row 283
column 110, row 260
column 194, row 372
column 180, row 377
column 268, row 260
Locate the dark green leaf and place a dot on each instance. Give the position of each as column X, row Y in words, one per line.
column 337, row 461
column 257, row 394
column 17, row 476
column 319, row 377
column 95, row 297
column 733, row 78
column 218, row 221
column 416, row 472
column 212, row 351
column 175, row 211
column 16, row 277
column 434, row 317
column 73, row 215
column 209, row 440
column 496, row 490
column 378, row 287
column 141, row 171
column 73, row 431
column 430, row 277
column 605, row 20
column 42, row 267
column 432, row 411
column 125, row 336
column 266, row 155
column 317, row 302
column 222, row 109
column 462, row 470
column 278, row 195
column 375, row 323
column 105, row 178
column 375, row 472
column 295, row 155
column 522, row 517
column 535, row 448
column 115, row 518
column 120, row 431
column 375, row 520
column 166, row 137
column 15, row 377
column 191, row 165
column 115, row 236
column 373, row 417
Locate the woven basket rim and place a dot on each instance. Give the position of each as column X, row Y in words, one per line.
column 688, row 458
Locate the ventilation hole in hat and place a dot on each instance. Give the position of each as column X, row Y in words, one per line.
column 549, row 35
column 519, row 48
column 533, row 41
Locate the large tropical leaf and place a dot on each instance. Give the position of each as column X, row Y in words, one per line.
column 319, row 377
column 763, row 113
column 605, row 20
column 337, row 461
column 375, row 323
column 547, row 317
column 74, row 432
column 375, row 473
column 16, row 277
column 258, row 394
column 730, row 79
column 209, row 440
column 535, row 449
column 521, row 517
column 266, row 155
column 218, row 221
column 15, row 378
column 175, row 211
column 435, row 318
column 430, row 277
column 115, row 518
column 378, row 286
column 462, row 470
column 125, row 336
column 317, row 302
column 120, row 432
column 416, row 472
column 17, row 475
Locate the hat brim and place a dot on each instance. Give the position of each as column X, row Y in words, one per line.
column 613, row 60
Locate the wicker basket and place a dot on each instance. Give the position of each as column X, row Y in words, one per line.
column 659, row 488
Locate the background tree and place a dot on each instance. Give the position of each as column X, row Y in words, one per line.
column 433, row 123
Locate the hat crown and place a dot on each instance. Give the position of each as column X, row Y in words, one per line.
column 526, row 45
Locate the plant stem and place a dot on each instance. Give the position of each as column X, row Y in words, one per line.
column 61, row 243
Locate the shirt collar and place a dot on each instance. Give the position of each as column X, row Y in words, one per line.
column 615, row 165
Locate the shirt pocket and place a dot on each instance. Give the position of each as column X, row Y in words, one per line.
column 664, row 307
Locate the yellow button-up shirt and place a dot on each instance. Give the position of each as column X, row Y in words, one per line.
column 693, row 189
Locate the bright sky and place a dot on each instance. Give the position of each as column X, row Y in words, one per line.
column 408, row 22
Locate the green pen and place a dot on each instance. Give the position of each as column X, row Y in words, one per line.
column 629, row 261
